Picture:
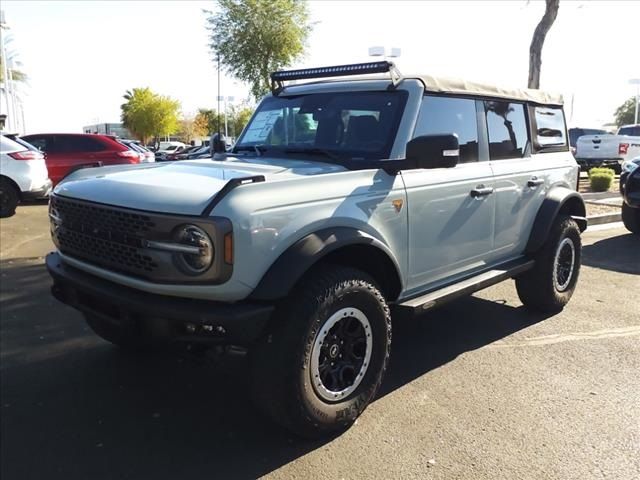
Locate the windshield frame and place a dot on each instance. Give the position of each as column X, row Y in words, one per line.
column 324, row 154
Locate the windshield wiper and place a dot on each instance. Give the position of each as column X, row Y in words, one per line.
column 315, row 151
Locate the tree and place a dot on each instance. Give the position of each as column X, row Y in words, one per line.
column 625, row 113
column 239, row 117
column 539, row 35
column 146, row 114
column 210, row 120
column 252, row 38
column 191, row 130
column 15, row 74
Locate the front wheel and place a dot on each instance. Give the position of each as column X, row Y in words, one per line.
column 631, row 218
column 325, row 356
column 549, row 285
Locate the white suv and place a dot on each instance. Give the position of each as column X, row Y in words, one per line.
column 23, row 174
column 342, row 204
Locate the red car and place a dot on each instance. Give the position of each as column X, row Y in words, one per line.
column 65, row 152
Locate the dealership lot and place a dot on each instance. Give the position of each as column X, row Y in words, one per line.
column 478, row 389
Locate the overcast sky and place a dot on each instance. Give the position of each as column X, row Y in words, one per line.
column 82, row 56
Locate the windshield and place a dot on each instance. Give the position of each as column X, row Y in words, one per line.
column 349, row 125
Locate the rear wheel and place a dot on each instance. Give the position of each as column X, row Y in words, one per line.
column 549, row 285
column 9, row 198
column 324, row 359
column 631, row 218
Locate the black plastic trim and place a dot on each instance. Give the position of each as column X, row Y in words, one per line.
column 285, row 272
column 230, row 185
column 462, row 288
column 549, row 210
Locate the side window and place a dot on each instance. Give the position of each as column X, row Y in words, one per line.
column 39, row 142
column 78, row 143
column 444, row 115
column 507, row 127
column 550, row 127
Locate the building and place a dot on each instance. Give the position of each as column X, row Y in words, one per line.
column 116, row 129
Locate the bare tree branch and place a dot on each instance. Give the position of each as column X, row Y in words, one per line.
column 540, row 33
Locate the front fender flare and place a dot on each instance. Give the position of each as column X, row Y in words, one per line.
column 285, row 272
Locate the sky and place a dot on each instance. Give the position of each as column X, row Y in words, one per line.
column 81, row 56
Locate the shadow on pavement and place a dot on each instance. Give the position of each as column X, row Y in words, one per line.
column 619, row 254
column 75, row 407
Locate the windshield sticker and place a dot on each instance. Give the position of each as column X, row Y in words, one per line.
column 261, row 125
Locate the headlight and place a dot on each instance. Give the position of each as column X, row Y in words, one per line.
column 630, row 165
column 198, row 253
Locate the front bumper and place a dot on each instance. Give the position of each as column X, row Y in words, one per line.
column 42, row 192
column 165, row 318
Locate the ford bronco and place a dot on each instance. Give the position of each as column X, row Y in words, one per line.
column 344, row 202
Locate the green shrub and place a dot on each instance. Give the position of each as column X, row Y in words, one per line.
column 600, row 181
column 602, row 171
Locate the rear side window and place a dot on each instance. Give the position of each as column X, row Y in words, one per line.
column 631, row 131
column 38, row 142
column 76, row 143
column 550, row 127
column 507, row 128
column 446, row 115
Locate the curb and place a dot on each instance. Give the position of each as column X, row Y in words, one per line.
column 605, row 218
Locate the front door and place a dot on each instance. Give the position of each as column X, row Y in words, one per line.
column 451, row 210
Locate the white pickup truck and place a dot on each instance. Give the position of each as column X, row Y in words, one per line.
column 608, row 150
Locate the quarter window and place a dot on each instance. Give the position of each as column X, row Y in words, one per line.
column 507, row 127
column 446, row 115
column 550, row 127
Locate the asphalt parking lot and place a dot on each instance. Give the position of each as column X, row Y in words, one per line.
column 480, row 389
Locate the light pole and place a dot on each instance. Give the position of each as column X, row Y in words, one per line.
column 636, row 82
column 226, row 123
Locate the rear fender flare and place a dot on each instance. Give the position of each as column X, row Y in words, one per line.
column 559, row 201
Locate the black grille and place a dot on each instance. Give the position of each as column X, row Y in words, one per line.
column 102, row 235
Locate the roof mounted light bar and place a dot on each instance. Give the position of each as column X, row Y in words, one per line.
column 278, row 78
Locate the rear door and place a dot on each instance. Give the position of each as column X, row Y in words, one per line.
column 450, row 230
column 519, row 182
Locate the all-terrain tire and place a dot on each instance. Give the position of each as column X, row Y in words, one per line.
column 631, row 218
column 287, row 363
column 9, row 198
column 549, row 285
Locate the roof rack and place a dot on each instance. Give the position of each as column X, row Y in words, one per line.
column 278, row 78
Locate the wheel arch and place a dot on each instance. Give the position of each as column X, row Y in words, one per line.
column 559, row 201
column 341, row 245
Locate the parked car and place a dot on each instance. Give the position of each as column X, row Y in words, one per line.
column 23, row 174
column 202, row 151
column 169, row 153
column 630, row 190
column 608, row 150
column 170, row 147
column 342, row 202
column 181, row 154
column 146, row 155
column 576, row 132
column 65, row 152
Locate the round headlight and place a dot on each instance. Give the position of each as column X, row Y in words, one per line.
column 198, row 258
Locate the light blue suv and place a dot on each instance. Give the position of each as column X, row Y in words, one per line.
column 344, row 202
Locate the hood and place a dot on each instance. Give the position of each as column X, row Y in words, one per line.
column 182, row 188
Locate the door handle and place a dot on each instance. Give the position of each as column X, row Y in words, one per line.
column 481, row 191
column 535, row 182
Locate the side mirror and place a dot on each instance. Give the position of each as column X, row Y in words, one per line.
column 218, row 143
column 434, row 151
